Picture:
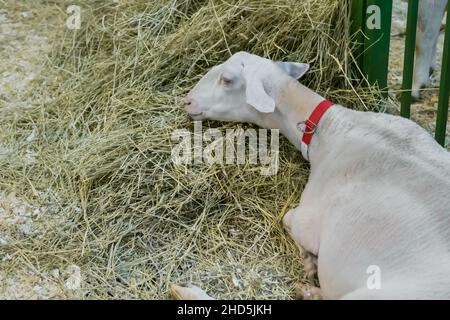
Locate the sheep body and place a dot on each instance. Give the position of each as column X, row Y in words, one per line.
column 377, row 195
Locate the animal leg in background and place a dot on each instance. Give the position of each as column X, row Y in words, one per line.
column 430, row 17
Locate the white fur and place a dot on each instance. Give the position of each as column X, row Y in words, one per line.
column 430, row 17
column 378, row 192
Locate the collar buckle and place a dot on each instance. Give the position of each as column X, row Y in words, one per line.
column 302, row 126
column 309, row 126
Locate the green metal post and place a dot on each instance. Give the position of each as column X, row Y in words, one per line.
column 408, row 61
column 441, row 120
column 358, row 18
column 377, row 43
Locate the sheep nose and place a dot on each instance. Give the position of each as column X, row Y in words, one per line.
column 190, row 105
column 188, row 100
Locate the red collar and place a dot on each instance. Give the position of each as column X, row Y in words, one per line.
column 309, row 126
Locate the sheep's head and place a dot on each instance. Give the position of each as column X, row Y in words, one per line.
column 240, row 88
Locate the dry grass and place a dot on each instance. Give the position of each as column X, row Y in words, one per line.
column 111, row 201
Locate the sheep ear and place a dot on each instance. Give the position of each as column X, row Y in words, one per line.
column 256, row 95
column 295, row 69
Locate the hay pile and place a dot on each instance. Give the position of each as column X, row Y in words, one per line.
column 111, row 202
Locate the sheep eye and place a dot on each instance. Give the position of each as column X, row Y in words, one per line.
column 227, row 81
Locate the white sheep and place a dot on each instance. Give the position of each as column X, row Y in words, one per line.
column 429, row 24
column 375, row 214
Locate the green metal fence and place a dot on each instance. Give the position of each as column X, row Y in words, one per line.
column 372, row 53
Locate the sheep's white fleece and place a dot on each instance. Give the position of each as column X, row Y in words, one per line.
column 378, row 194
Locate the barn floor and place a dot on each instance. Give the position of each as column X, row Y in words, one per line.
column 24, row 44
column 26, row 35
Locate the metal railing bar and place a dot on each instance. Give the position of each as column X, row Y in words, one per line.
column 442, row 113
column 408, row 62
